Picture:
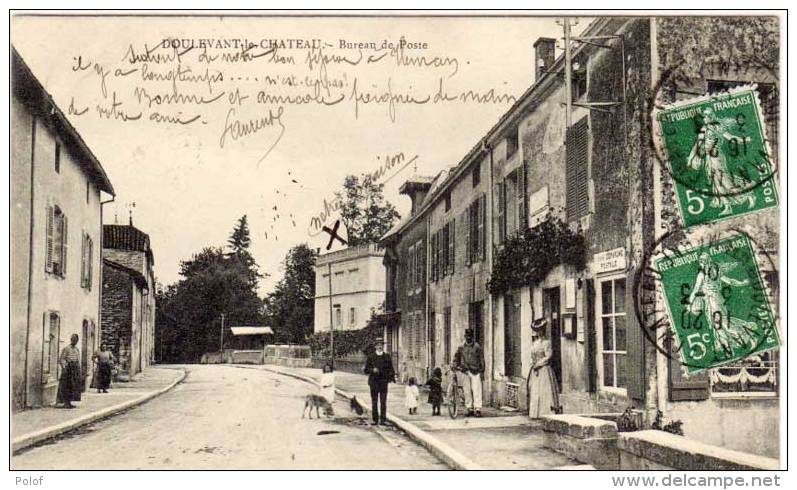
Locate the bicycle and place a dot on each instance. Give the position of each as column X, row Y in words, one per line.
column 455, row 395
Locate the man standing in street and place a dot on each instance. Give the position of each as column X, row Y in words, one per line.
column 379, row 368
column 469, row 362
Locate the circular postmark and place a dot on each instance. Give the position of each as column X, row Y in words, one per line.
column 713, row 139
column 700, row 298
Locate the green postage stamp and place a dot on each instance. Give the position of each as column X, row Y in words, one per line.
column 718, row 154
column 717, row 304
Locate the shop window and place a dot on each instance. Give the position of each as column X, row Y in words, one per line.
column 612, row 331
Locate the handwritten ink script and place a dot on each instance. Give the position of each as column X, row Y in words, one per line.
column 246, row 91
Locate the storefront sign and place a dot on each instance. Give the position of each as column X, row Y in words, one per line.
column 612, row 260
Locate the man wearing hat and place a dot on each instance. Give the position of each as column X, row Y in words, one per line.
column 469, row 361
column 379, row 368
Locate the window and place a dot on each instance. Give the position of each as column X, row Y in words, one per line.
column 57, row 157
column 512, row 143
column 432, row 339
column 612, row 329
column 51, row 335
column 475, row 230
column 88, row 190
column 338, row 316
column 410, row 268
column 476, row 174
column 578, row 85
column 86, row 264
column 576, row 171
column 448, row 201
column 57, row 243
column 755, row 375
column 501, row 199
column 352, row 316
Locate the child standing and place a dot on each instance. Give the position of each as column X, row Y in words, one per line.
column 435, row 384
column 411, row 395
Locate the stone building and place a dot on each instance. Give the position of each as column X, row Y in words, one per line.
column 57, row 186
column 406, row 333
column 358, row 286
column 128, row 297
column 595, row 169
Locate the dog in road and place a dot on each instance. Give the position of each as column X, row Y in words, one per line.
column 317, row 402
column 355, row 406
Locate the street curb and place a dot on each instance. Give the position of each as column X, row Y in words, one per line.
column 27, row 440
column 442, row 451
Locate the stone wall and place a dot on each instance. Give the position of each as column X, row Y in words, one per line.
column 117, row 302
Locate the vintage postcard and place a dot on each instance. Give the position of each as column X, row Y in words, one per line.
column 397, row 240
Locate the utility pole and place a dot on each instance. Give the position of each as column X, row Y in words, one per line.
column 568, row 75
column 221, row 343
column 331, row 325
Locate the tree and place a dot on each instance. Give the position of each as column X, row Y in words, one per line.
column 364, row 211
column 289, row 308
column 239, row 242
column 213, row 282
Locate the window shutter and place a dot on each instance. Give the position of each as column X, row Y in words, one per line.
column 523, row 204
column 466, row 215
column 48, row 261
column 681, row 388
column 83, row 250
column 590, row 338
column 501, row 212
column 635, row 348
column 65, row 241
column 433, row 257
column 482, row 226
column 90, row 278
column 45, row 346
column 444, row 263
column 451, row 243
column 577, row 199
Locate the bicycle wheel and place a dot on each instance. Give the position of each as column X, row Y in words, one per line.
column 453, row 399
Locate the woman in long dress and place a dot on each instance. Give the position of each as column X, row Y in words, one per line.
column 105, row 360
column 327, row 384
column 542, row 387
column 69, row 385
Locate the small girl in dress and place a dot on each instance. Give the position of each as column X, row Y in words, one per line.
column 435, row 385
column 411, row 396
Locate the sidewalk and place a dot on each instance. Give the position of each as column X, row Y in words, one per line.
column 498, row 440
column 30, row 427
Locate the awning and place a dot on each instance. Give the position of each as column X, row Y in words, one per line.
column 252, row 330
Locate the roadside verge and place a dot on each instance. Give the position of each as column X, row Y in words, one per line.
column 34, row 437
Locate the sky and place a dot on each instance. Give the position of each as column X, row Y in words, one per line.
column 231, row 123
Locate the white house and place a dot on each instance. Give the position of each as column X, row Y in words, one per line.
column 357, row 283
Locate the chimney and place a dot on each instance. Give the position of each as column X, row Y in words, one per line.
column 544, row 56
column 416, row 187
